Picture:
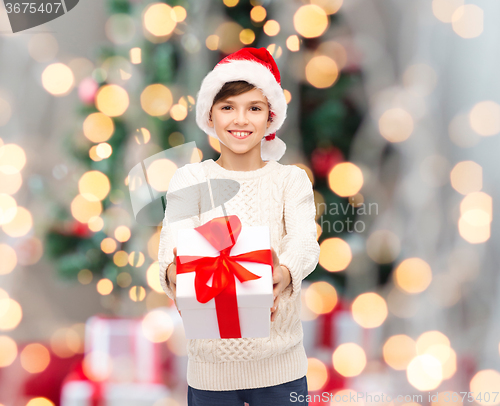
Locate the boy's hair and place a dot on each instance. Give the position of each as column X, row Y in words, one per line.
column 234, row 89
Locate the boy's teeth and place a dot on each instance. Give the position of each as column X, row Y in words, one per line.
column 240, row 133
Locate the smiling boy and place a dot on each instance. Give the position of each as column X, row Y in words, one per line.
column 241, row 102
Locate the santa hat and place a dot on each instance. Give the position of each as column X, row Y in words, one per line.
column 257, row 67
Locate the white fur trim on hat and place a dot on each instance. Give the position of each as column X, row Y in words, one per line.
column 272, row 150
column 250, row 71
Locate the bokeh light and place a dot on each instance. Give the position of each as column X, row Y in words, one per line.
column 153, row 277
column 156, row 99
column 8, row 351
column 11, row 314
column 58, row 79
column 20, row 225
column 444, row 9
column 321, row 297
column 247, row 36
column 468, row 21
column 229, row 37
column 413, row 275
column 329, row 6
column 160, row 173
column 9, row 259
column 65, row 342
column 293, row 43
column 271, row 28
column 104, row 287
column 486, row 381
column 12, row 159
column 98, row 127
column 112, row 100
column 310, row 21
column 108, row 245
column 159, row 19
column 429, row 339
column 467, row 177
column 345, row 179
column 484, row 118
column 157, row 326
column 8, row 208
column 122, row 233
column 369, row 310
column 396, row 125
column 349, row 359
column 258, row 14
column 424, row 372
column 35, row 358
column 317, row 374
column 137, row 293
column 398, row 351
column 94, row 185
column 136, row 259
column 120, row 258
column 335, row 254
column 321, row 72
column 83, row 209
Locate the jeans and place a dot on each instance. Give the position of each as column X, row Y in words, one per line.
column 285, row 394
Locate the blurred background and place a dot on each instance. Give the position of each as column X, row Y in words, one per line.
column 393, row 111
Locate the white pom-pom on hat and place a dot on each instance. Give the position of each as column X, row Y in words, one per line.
column 257, row 67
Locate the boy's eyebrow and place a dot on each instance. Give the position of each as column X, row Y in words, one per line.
column 252, row 102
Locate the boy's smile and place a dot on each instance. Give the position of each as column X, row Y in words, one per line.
column 241, row 121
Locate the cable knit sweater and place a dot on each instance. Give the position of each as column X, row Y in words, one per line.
column 280, row 196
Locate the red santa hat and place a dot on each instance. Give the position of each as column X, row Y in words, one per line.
column 257, row 67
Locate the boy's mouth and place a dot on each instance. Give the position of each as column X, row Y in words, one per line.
column 240, row 134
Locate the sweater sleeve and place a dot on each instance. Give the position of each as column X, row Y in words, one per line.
column 178, row 215
column 299, row 247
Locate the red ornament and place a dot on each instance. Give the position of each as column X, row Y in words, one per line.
column 324, row 159
column 87, row 90
column 80, row 229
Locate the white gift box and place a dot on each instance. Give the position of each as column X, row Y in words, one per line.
column 118, row 350
column 254, row 297
column 79, row 393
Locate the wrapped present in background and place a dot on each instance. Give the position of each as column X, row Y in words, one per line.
column 83, row 393
column 224, row 279
column 118, row 351
column 121, row 366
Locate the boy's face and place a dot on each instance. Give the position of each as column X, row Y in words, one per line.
column 246, row 114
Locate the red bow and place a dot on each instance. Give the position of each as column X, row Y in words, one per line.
column 222, row 233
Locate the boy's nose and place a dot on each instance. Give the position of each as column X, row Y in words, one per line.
column 241, row 117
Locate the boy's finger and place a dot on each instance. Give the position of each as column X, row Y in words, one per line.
column 275, row 258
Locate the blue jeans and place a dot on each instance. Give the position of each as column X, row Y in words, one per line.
column 287, row 393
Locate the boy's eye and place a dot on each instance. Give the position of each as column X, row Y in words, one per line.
column 254, row 107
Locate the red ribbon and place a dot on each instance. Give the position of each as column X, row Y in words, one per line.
column 222, row 233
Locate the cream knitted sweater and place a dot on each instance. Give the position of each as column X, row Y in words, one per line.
column 280, row 196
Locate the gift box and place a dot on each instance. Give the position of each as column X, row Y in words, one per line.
column 83, row 393
column 224, row 280
column 117, row 350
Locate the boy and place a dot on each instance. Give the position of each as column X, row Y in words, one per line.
column 241, row 102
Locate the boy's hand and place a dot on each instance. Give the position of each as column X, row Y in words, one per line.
column 172, row 276
column 281, row 279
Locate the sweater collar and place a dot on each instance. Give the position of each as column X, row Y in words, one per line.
column 216, row 168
